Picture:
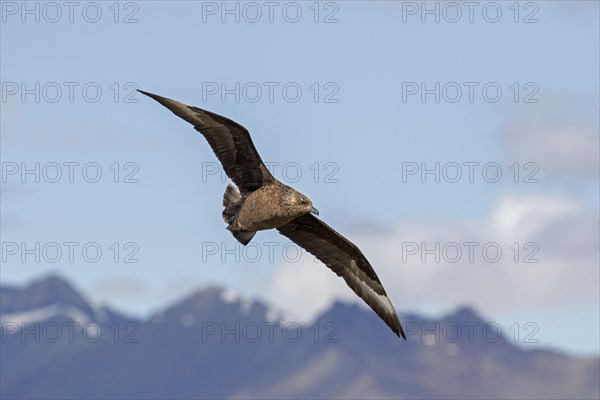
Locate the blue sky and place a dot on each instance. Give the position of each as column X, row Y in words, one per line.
column 360, row 132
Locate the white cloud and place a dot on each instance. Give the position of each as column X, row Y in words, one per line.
column 118, row 288
column 567, row 273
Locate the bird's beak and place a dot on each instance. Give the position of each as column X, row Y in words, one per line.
column 314, row 211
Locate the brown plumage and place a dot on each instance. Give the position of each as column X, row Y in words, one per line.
column 262, row 202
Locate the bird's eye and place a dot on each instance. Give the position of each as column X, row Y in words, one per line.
column 302, row 201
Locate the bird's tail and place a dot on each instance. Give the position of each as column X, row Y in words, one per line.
column 231, row 199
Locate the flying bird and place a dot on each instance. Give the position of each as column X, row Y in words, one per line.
column 261, row 202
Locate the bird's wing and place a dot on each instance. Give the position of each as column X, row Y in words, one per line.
column 346, row 260
column 229, row 140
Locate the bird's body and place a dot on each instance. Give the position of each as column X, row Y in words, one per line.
column 268, row 207
column 261, row 202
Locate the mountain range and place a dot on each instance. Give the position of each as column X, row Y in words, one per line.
column 215, row 344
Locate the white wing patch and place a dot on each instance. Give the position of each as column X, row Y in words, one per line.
column 382, row 300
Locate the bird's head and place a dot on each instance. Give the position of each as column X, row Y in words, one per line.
column 300, row 203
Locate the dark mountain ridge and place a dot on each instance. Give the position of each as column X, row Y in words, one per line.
column 213, row 344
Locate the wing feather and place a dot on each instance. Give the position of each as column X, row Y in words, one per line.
column 229, row 140
column 347, row 261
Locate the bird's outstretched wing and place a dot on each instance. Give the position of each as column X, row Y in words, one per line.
column 229, row 140
column 346, row 260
